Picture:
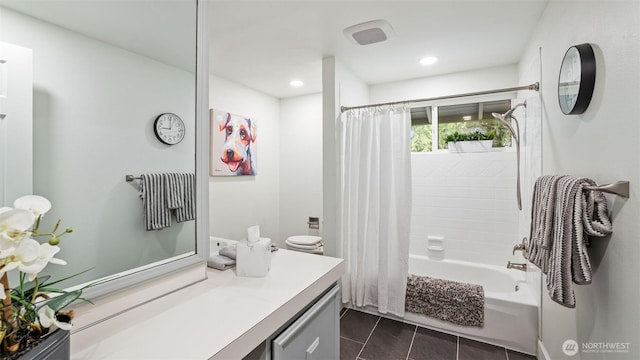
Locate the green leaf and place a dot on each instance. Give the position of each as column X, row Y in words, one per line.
column 60, row 302
column 43, row 282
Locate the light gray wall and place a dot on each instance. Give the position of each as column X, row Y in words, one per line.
column 238, row 202
column 94, row 107
column 300, row 163
column 601, row 144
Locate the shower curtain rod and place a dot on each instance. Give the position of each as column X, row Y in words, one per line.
column 534, row 86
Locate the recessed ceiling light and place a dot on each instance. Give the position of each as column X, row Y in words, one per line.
column 466, row 117
column 296, row 83
column 429, row 60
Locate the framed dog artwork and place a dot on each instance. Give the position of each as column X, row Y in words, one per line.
column 233, row 144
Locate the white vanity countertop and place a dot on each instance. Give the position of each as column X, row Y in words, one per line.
column 223, row 317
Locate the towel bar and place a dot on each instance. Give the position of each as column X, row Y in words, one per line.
column 620, row 188
column 130, row 178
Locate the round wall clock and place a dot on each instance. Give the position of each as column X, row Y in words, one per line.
column 169, row 128
column 577, row 79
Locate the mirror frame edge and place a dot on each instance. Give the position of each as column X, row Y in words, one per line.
column 168, row 277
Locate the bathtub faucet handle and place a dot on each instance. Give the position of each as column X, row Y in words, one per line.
column 517, row 266
column 521, row 247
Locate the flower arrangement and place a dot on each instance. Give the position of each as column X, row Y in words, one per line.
column 30, row 311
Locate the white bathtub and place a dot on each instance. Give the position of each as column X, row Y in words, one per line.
column 511, row 312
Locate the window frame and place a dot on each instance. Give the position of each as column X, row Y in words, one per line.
column 435, row 138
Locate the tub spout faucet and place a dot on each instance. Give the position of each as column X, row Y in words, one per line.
column 521, row 247
column 517, row 266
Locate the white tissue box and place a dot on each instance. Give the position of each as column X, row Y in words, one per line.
column 253, row 259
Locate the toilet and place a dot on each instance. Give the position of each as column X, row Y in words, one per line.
column 305, row 243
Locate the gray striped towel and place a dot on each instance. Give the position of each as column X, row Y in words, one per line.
column 563, row 216
column 175, row 190
column 154, row 204
column 187, row 211
column 164, row 194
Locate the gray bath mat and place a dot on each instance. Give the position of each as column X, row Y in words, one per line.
column 451, row 301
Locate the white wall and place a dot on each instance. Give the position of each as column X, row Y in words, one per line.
column 470, row 201
column 601, row 144
column 457, row 83
column 238, row 202
column 340, row 88
column 300, row 163
column 85, row 93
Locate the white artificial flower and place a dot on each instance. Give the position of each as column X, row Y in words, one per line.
column 36, row 204
column 31, row 257
column 48, row 318
column 14, row 224
column 36, row 258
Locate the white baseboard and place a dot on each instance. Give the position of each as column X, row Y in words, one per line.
column 542, row 351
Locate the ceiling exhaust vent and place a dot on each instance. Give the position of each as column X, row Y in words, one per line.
column 370, row 32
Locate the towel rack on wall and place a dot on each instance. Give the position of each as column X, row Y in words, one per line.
column 130, row 178
column 620, row 188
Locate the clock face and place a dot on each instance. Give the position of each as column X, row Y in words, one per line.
column 577, row 79
column 169, row 128
column 569, row 81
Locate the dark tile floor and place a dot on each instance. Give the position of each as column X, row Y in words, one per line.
column 368, row 337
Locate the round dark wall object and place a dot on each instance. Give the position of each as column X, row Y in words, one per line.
column 577, row 79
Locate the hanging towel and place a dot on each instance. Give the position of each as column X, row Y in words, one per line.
column 187, row 212
column 154, row 204
column 564, row 215
column 175, row 190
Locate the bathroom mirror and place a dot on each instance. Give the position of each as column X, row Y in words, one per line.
column 102, row 73
column 577, row 79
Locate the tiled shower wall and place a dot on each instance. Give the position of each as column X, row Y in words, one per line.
column 470, row 201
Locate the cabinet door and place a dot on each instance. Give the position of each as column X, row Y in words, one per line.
column 315, row 335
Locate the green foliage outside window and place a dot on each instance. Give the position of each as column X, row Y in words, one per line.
column 421, row 139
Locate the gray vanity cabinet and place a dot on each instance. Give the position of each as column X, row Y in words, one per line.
column 315, row 335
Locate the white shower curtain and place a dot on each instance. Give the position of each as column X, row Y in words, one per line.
column 374, row 206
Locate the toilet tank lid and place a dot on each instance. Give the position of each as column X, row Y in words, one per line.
column 304, row 239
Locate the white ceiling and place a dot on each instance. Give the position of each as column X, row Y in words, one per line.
column 263, row 44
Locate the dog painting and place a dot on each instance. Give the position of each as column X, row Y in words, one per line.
column 233, row 144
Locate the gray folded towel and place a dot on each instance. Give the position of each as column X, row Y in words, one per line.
column 229, row 251
column 220, row 262
column 186, row 185
column 175, row 190
column 154, row 204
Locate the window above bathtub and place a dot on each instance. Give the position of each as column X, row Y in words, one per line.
column 430, row 124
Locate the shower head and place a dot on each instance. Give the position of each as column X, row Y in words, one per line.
column 504, row 119
column 510, row 112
